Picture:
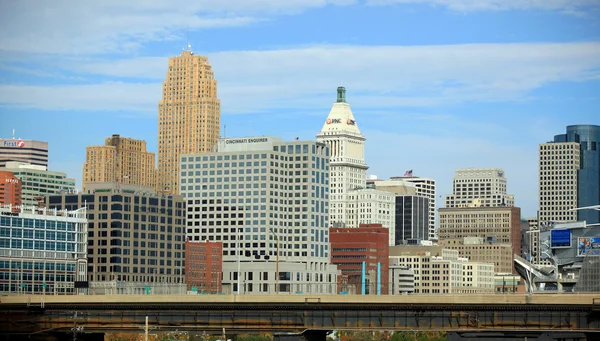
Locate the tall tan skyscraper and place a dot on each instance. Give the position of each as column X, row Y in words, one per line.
column 558, row 167
column 189, row 115
column 121, row 160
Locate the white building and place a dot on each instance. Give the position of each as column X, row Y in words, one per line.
column 38, row 181
column 425, row 187
column 348, row 174
column 267, row 201
column 441, row 271
column 479, row 187
column 42, row 251
column 559, row 163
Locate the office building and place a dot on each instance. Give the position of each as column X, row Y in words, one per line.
column 121, row 160
column 42, row 251
column 361, row 254
column 475, row 187
column 26, row 151
column 38, row 182
column 133, row 237
column 10, row 190
column 438, row 270
column 412, row 219
column 348, row 175
column 483, row 234
column 569, row 175
column 204, row 267
column 402, row 278
column 425, row 187
column 267, row 201
column 189, row 115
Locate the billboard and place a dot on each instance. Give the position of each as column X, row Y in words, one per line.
column 588, row 246
column 560, row 238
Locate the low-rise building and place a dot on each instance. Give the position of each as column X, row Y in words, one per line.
column 38, row 182
column 204, row 266
column 42, row 251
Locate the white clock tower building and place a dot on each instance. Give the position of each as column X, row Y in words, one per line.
column 350, row 201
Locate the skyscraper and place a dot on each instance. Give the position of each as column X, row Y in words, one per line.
column 475, row 187
column 351, row 202
column 122, row 160
column 19, row 150
column 188, row 115
column 569, row 175
column 426, row 188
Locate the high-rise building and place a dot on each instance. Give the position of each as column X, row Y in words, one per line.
column 122, row 160
column 38, row 182
column 483, row 234
column 348, row 175
column 26, row 151
column 412, row 218
column 189, row 115
column 42, row 251
column 132, row 236
column 425, row 187
column 10, row 189
column 569, row 175
column 475, row 187
column 267, row 200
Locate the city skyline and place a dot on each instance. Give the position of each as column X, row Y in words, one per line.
column 457, row 85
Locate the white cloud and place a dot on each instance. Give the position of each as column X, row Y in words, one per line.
column 566, row 6
column 92, row 27
column 376, row 77
column 437, row 157
column 95, row 97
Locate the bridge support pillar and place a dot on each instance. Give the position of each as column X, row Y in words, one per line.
column 307, row 335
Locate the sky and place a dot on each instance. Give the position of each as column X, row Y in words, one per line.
column 435, row 85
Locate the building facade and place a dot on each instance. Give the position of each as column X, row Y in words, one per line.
column 268, row 202
column 38, row 182
column 10, row 190
column 362, row 255
column 412, row 218
column 132, row 236
column 121, row 160
column 189, row 115
column 475, row 187
column 425, row 187
column 371, row 206
column 569, row 175
column 204, row 266
column 439, row 270
column 347, row 160
column 26, row 151
column 483, row 234
column 42, row 251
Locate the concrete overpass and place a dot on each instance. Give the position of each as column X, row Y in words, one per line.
column 312, row 315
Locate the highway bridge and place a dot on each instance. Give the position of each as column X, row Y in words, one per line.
column 310, row 315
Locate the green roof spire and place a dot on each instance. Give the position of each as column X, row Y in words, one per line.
column 341, row 94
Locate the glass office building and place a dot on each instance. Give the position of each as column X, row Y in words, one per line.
column 588, row 176
column 42, row 251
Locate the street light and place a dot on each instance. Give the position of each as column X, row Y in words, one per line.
column 276, row 262
column 239, row 252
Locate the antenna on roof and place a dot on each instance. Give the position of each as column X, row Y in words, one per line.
column 13, row 134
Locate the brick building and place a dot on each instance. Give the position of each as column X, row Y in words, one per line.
column 10, row 189
column 204, row 266
column 353, row 248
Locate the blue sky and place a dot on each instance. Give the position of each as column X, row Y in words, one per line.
column 435, row 85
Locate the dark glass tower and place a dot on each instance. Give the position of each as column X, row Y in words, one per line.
column 588, row 177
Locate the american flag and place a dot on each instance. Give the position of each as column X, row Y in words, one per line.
column 408, row 173
column 296, row 139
